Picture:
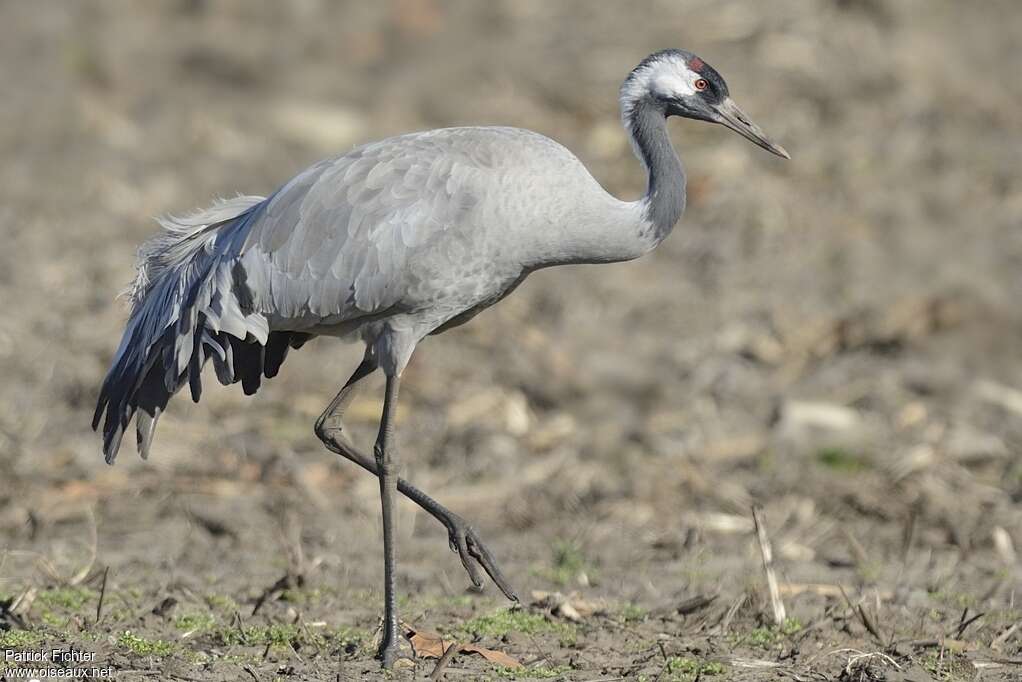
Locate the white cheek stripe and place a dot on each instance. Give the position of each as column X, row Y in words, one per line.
column 674, row 84
column 666, row 78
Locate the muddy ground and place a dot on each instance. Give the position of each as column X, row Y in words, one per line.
column 835, row 339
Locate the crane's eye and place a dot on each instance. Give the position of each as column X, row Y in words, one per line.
column 701, row 84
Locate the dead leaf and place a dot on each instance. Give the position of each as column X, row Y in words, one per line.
column 428, row 644
column 497, row 657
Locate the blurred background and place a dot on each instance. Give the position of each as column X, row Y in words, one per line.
column 837, row 338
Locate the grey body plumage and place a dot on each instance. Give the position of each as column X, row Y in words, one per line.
column 393, row 239
column 389, row 243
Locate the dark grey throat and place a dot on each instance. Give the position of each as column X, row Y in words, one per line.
column 665, row 187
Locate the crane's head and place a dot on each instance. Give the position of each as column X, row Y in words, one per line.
column 678, row 83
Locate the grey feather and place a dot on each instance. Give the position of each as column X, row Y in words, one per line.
column 429, row 228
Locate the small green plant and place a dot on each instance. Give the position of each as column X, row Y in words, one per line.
column 766, row 637
column 221, row 602
column 713, row 668
column 840, row 459
column 195, row 622
column 568, row 563
column 348, row 636
column 21, row 639
column 947, row 667
column 300, row 596
column 568, row 637
column 505, row 621
column 791, row 626
column 259, row 635
column 761, row 637
column 55, row 620
column 145, row 647
column 57, row 605
column 684, row 669
column 632, row 613
column 66, row 598
column 285, row 635
column 681, row 665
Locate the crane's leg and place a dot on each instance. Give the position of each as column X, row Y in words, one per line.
column 387, row 465
column 462, row 537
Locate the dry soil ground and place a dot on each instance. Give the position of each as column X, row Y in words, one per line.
column 835, row 339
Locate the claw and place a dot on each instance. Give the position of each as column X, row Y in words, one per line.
column 459, row 544
column 485, row 559
column 471, row 550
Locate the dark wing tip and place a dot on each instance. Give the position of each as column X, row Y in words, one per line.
column 112, row 443
column 97, row 416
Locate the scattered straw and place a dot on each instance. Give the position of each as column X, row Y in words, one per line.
column 768, row 567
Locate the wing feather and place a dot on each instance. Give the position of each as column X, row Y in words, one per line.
column 336, row 241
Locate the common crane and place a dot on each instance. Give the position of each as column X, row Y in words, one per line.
column 387, row 244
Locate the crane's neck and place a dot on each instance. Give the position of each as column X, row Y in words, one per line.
column 604, row 229
column 664, row 201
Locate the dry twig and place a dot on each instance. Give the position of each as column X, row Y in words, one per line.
column 444, row 661
column 864, row 618
column 729, row 615
column 696, row 603
column 768, row 567
column 1002, row 638
column 963, row 623
column 102, row 594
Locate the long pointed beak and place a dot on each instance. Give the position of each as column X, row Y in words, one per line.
column 735, row 119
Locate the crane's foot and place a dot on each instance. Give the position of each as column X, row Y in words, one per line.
column 388, row 654
column 465, row 541
column 395, row 650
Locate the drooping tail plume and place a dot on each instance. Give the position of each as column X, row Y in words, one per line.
column 185, row 311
